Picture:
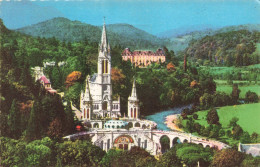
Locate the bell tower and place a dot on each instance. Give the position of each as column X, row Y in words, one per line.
column 133, row 104
column 104, row 72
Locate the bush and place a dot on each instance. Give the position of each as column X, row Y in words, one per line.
column 237, row 132
column 227, row 158
column 233, row 122
column 251, row 97
column 212, row 117
column 195, row 116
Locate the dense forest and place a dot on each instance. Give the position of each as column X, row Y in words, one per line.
column 26, row 108
column 234, row 48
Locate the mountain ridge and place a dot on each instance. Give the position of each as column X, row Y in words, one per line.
column 122, row 34
column 71, row 31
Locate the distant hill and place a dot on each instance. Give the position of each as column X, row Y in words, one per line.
column 181, row 38
column 228, row 47
column 124, row 35
column 204, row 30
column 118, row 34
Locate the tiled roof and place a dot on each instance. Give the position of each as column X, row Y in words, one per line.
column 44, row 80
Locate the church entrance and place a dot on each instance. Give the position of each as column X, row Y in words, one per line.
column 104, row 105
column 123, row 142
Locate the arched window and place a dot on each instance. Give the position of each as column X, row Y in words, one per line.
column 145, row 144
column 88, row 113
column 117, row 106
column 130, row 125
column 137, row 124
column 131, row 112
column 104, row 105
column 104, row 66
column 84, row 113
column 108, row 144
column 106, row 69
column 135, row 113
column 96, row 125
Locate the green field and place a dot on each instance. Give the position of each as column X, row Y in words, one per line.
column 224, row 82
column 257, row 48
column 228, row 89
column 221, row 71
column 248, row 114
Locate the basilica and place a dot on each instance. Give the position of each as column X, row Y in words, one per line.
column 101, row 115
column 96, row 102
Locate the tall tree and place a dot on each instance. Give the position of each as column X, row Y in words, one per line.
column 14, row 120
column 235, row 93
column 185, row 63
column 212, row 117
column 33, row 128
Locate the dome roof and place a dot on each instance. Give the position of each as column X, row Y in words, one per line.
column 115, row 124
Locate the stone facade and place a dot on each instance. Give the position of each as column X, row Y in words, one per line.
column 96, row 101
column 143, row 58
column 145, row 138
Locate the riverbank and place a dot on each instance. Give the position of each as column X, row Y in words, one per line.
column 169, row 121
column 161, row 117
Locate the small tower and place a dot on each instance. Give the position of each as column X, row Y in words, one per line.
column 133, row 104
column 86, row 103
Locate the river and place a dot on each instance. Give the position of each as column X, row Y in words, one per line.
column 160, row 117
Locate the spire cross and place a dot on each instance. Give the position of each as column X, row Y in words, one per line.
column 104, row 19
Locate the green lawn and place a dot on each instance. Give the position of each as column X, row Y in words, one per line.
column 248, row 114
column 257, row 48
column 224, row 82
column 228, row 89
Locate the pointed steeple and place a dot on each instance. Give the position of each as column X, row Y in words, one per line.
column 87, row 96
column 104, row 43
column 133, row 94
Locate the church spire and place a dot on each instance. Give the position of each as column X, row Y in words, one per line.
column 87, row 96
column 104, row 43
column 133, row 94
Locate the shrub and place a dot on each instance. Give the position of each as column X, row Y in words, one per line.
column 251, row 97
column 195, row 116
column 212, row 117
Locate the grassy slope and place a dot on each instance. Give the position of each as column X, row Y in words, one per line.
column 248, row 114
column 228, row 89
column 257, row 48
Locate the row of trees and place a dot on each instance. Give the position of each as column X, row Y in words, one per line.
column 214, row 129
column 47, row 152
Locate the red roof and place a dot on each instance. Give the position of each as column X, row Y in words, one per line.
column 44, row 80
column 52, row 91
